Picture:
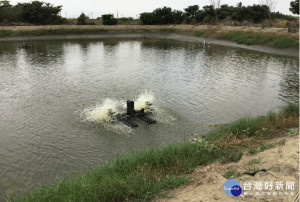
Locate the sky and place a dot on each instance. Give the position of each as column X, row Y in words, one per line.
column 132, row 8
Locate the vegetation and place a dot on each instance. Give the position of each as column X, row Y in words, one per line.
column 167, row 30
column 232, row 174
column 261, row 148
column 143, row 175
column 199, row 33
column 109, row 19
column 81, row 20
column 126, row 21
column 294, row 7
column 41, row 32
column 251, row 169
column 212, row 13
column 35, row 12
column 162, row 16
column 42, row 13
column 250, row 38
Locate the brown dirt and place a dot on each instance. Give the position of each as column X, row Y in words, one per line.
column 282, row 160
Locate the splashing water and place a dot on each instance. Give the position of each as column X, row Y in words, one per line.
column 143, row 99
column 100, row 113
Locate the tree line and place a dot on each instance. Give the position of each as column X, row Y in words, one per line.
column 35, row 12
column 212, row 13
column 43, row 13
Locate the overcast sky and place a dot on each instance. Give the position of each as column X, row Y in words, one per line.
column 132, row 8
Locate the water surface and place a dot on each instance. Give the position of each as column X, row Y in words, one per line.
column 45, row 90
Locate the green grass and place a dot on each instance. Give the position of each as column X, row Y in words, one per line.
column 139, row 176
column 259, row 126
column 250, row 38
column 230, row 174
column 41, row 32
column 199, row 33
column 5, row 33
column 143, row 175
column 285, row 43
column 167, row 30
column 254, row 161
column 146, row 30
column 261, row 148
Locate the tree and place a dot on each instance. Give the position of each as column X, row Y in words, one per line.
column 271, row 4
column 257, row 12
column 81, row 20
column 5, row 10
column 294, row 7
column 37, row 12
column 224, row 11
column 108, row 19
column 209, row 13
column 163, row 16
column 178, row 16
column 200, row 15
column 191, row 11
column 278, row 15
column 216, row 4
column 147, row 18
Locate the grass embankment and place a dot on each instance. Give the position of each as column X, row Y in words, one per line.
column 143, row 175
column 274, row 37
column 59, row 31
column 78, row 31
column 250, row 38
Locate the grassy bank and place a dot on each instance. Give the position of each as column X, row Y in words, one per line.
column 143, row 175
column 250, row 38
column 42, row 32
column 274, row 37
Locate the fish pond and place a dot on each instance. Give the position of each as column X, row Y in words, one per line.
column 54, row 98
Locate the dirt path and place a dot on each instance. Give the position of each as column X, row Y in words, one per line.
column 282, row 160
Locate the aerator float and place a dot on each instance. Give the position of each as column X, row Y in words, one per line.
column 127, row 118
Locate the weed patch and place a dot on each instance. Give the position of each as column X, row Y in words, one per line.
column 167, row 30
column 199, row 33
column 250, row 38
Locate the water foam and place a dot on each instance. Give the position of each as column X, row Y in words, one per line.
column 143, row 99
column 100, row 113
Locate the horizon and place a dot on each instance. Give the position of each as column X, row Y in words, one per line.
column 133, row 8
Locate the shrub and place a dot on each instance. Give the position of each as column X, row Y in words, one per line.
column 108, row 19
column 81, row 20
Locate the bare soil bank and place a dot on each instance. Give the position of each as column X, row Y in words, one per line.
column 281, row 161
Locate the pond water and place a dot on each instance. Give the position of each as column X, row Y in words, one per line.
column 47, row 95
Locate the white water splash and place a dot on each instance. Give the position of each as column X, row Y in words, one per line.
column 143, row 99
column 100, row 113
